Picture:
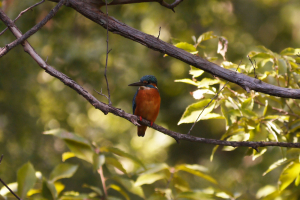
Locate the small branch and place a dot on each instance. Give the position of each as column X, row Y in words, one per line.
column 253, row 65
column 159, row 32
column 7, row 185
column 277, row 109
column 33, row 30
column 101, row 93
column 107, row 52
column 170, row 6
column 100, row 171
column 211, row 101
column 21, row 13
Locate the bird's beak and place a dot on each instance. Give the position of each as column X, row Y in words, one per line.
column 138, row 84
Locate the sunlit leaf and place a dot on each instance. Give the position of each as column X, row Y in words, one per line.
column 290, row 51
column 130, row 186
column 120, row 190
column 256, row 154
column 277, row 164
column 195, row 72
column 26, row 179
column 122, row 154
column 282, row 67
column 186, row 80
column 95, row 189
column 63, row 170
column 195, row 195
column 248, row 104
column 99, row 160
column 195, row 171
column 33, row 191
column 59, row 187
column 67, row 155
column 192, row 111
column 154, row 168
column 187, row 47
column 213, row 152
column 13, row 186
column 78, row 145
column 206, row 36
column 266, row 108
column 109, row 160
column 288, row 175
column 265, row 191
column 48, row 190
column 203, row 93
column 180, row 183
column 205, row 82
column 148, row 179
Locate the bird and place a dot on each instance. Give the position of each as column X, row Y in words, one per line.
column 146, row 101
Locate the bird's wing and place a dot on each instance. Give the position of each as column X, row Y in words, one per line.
column 133, row 102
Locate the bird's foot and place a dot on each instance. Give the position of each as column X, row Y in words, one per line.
column 151, row 123
column 141, row 118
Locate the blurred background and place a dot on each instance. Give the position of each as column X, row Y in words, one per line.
column 32, row 102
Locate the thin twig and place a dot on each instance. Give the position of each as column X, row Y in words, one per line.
column 21, row 13
column 253, row 65
column 9, row 189
column 31, row 31
column 101, row 93
column 100, row 171
column 107, row 52
column 5, row 183
column 159, row 32
column 211, row 101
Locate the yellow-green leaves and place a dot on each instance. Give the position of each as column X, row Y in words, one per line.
column 26, row 179
column 288, row 175
column 63, row 170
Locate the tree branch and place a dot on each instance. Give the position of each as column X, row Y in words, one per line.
column 33, row 30
column 117, row 27
column 105, row 108
column 21, row 13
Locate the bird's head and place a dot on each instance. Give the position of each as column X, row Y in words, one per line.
column 146, row 81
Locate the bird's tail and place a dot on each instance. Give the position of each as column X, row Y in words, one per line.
column 141, row 130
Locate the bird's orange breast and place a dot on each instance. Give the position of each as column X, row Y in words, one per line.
column 147, row 103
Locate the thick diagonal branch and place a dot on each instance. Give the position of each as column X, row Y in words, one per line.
column 105, row 108
column 117, row 27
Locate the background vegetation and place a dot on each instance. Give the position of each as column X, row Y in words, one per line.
column 32, row 102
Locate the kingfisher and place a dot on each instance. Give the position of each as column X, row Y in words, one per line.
column 146, row 101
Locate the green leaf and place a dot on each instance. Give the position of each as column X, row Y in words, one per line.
column 203, row 93
column 192, row 112
column 48, row 190
column 282, row 67
column 153, row 168
column 256, row 154
column 289, row 51
column 114, row 162
column 205, row 82
column 186, row 46
column 193, row 169
column 122, row 154
column 195, row 195
column 186, row 80
column 213, row 152
column 180, row 183
column 148, row 179
column 288, row 175
column 99, row 160
column 95, row 189
column 120, row 190
column 206, row 36
column 248, row 104
column 78, row 145
column 277, row 164
column 26, row 179
column 67, row 155
column 130, row 186
column 229, row 65
column 63, row 170
column 266, row 108
column 195, row 72
column 265, row 191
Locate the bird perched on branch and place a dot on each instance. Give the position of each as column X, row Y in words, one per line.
column 146, row 101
